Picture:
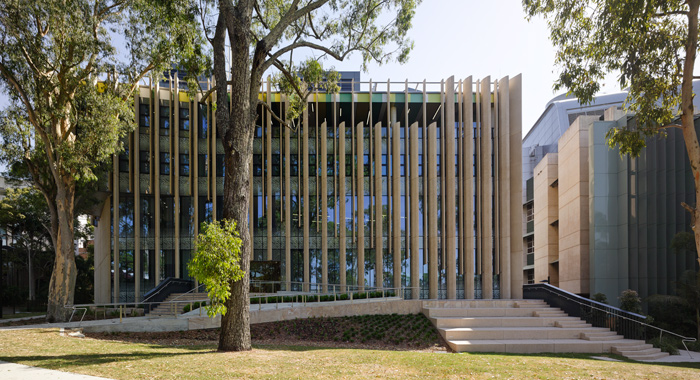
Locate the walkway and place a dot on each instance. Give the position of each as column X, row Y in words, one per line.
column 13, row 371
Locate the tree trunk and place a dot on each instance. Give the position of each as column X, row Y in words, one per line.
column 235, row 125
column 687, row 120
column 30, row 275
column 62, row 285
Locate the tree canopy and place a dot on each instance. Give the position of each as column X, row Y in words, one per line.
column 70, row 83
column 653, row 46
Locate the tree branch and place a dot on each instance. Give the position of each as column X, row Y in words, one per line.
column 22, row 94
column 670, row 13
column 292, row 15
column 256, row 5
column 289, row 77
column 274, row 115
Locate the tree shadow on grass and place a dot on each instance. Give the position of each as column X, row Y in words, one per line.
column 89, row 359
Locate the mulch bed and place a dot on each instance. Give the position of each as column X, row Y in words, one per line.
column 383, row 332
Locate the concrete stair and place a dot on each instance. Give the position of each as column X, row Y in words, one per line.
column 175, row 302
column 525, row 326
column 639, row 352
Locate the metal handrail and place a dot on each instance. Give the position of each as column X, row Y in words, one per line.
column 574, row 299
column 161, row 289
column 350, row 289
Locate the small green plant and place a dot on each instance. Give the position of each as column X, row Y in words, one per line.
column 216, row 262
column 186, row 308
column 665, row 345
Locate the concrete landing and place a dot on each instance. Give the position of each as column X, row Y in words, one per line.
column 13, row 371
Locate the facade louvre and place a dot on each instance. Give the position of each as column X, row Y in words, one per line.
column 352, row 199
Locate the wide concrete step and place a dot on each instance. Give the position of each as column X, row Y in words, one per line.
column 512, row 333
column 491, row 312
column 568, row 324
column 446, row 322
column 474, row 304
column 642, row 358
column 623, row 349
column 528, row 346
column 648, row 351
column 603, row 335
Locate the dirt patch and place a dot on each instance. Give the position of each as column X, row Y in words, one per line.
column 412, row 332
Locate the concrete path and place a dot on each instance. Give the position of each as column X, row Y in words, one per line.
column 13, row 371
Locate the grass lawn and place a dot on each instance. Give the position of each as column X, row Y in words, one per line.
column 121, row 360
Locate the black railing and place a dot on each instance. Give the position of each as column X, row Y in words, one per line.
column 167, row 287
column 625, row 323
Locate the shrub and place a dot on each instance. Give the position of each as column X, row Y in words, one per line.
column 600, row 297
column 630, row 301
column 666, row 345
column 186, row 308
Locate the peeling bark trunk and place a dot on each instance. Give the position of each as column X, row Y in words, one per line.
column 62, row 285
column 690, row 137
column 235, row 122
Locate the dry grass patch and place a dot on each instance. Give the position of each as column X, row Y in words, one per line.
column 127, row 360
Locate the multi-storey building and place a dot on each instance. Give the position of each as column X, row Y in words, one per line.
column 597, row 222
column 352, row 196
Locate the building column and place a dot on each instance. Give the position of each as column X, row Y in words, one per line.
column 504, row 191
column 516, row 189
column 378, row 208
column 324, row 205
column 449, row 193
column 341, row 198
column 103, row 255
column 468, row 182
column 486, row 191
column 431, row 164
column 360, row 212
column 396, row 200
column 414, row 242
column 305, row 198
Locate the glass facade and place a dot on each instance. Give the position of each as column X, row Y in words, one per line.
column 342, row 202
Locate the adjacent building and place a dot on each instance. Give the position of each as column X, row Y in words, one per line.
column 384, row 185
column 597, row 222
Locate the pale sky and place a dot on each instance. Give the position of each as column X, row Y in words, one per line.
column 477, row 38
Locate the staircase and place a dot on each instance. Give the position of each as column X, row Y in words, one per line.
column 175, row 302
column 525, row 326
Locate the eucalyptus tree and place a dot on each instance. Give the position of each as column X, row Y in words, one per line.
column 71, row 84
column 653, row 45
column 264, row 35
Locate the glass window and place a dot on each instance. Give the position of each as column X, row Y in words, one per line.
column 184, row 119
column 257, row 165
column 202, row 165
column 164, row 120
column 202, row 125
column 294, row 165
column 330, row 170
column 312, row 165
column 184, row 164
column 124, row 161
column 164, row 163
column 220, row 165
column 144, row 114
column 144, row 162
